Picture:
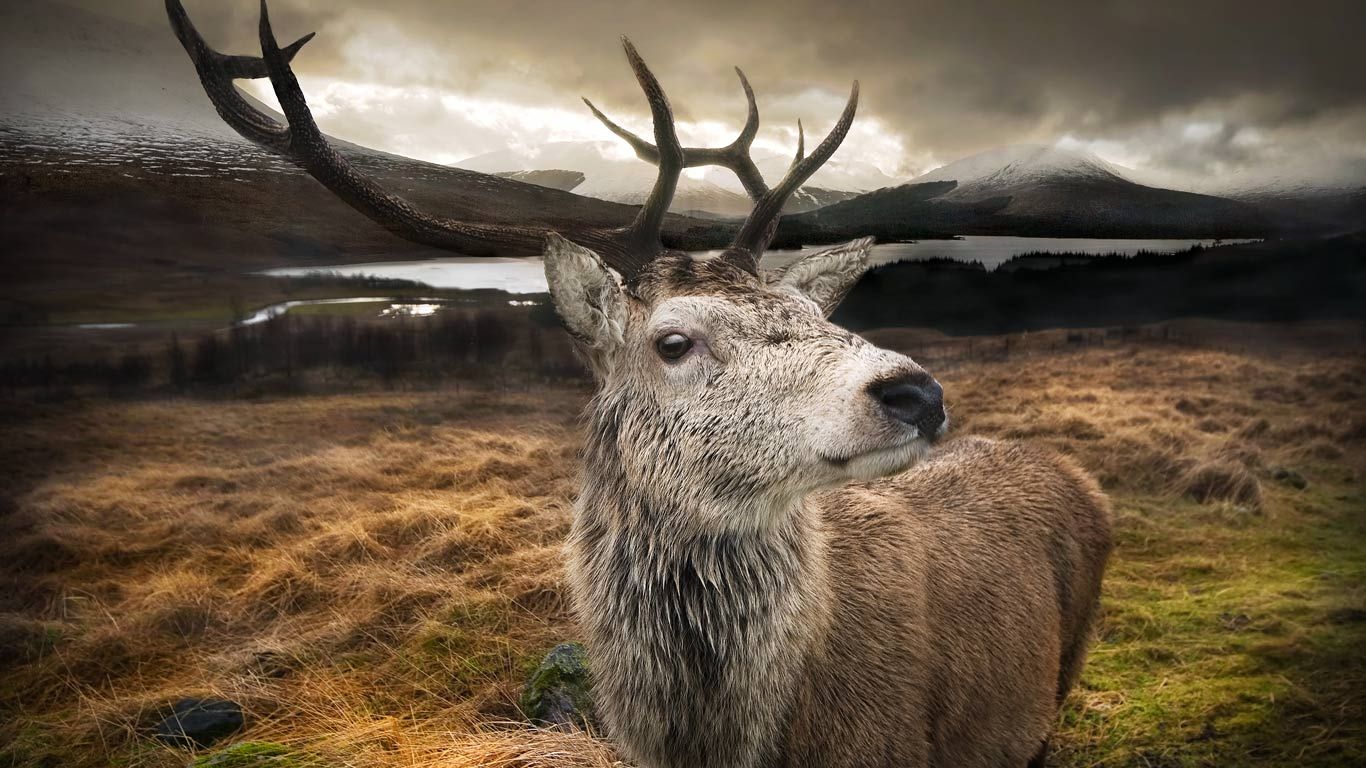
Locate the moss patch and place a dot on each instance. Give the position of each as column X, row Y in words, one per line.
column 1225, row 646
column 255, row 754
column 560, row 692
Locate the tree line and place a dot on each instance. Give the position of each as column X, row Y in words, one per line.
column 287, row 352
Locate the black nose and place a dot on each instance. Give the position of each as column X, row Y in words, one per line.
column 915, row 399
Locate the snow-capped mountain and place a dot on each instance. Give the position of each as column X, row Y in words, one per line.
column 1318, row 194
column 999, row 171
column 1032, row 190
column 612, row 173
column 986, row 173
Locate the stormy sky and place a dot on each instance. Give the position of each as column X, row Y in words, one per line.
column 1182, row 90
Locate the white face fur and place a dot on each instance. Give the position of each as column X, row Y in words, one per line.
column 737, row 394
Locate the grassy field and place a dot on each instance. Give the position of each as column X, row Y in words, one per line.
column 374, row 575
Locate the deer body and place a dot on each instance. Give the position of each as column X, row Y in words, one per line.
column 745, row 604
column 934, row 618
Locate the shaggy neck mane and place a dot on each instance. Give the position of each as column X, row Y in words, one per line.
column 705, row 627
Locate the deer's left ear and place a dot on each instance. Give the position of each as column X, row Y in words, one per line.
column 825, row 276
column 587, row 297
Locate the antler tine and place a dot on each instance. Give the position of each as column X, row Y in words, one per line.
column 642, row 234
column 306, row 143
column 216, row 73
column 751, row 126
column 644, row 149
column 734, row 156
column 757, row 231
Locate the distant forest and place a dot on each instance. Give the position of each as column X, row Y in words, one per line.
column 1271, row 281
column 519, row 345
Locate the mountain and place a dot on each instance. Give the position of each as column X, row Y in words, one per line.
column 1063, row 192
column 1030, row 190
column 612, row 173
column 553, row 178
column 1305, row 194
column 1308, row 174
column 811, row 198
column 116, row 174
column 1010, row 169
column 905, row 212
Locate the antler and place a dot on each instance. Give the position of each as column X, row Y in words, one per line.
column 758, row 230
column 627, row 249
column 643, row 233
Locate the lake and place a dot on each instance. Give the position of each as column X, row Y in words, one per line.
column 527, row 275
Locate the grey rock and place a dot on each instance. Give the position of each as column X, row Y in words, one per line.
column 200, row 722
column 1290, row 477
column 559, row 692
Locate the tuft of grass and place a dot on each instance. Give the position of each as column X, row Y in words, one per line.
column 1221, row 480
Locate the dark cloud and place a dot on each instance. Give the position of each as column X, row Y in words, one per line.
column 949, row 77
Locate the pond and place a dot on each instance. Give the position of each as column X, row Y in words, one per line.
column 527, row 275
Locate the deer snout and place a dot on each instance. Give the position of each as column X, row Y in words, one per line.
column 914, row 399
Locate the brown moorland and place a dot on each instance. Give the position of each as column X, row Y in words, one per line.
column 372, row 576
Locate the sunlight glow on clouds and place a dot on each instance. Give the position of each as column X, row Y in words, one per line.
column 444, row 126
column 1192, row 90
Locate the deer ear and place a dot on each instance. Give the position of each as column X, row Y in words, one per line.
column 825, row 276
column 587, row 296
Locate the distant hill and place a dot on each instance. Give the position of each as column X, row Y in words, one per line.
column 906, row 212
column 1029, row 190
column 1307, row 176
column 562, row 180
column 1303, row 194
column 1327, row 212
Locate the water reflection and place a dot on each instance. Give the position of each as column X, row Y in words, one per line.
column 411, row 310
column 393, row 307
column 275, row 310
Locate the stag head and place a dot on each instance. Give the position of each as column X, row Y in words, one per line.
column 732, row 388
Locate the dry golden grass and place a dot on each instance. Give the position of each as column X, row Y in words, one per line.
column 373, row 576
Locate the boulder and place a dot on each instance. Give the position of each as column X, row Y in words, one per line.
column 1290, row 477
column 559, row 691
column 200, row 722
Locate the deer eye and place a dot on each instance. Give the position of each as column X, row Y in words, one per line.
column 672, row 346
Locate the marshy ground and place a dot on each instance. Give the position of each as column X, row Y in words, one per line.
column 372, row 576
